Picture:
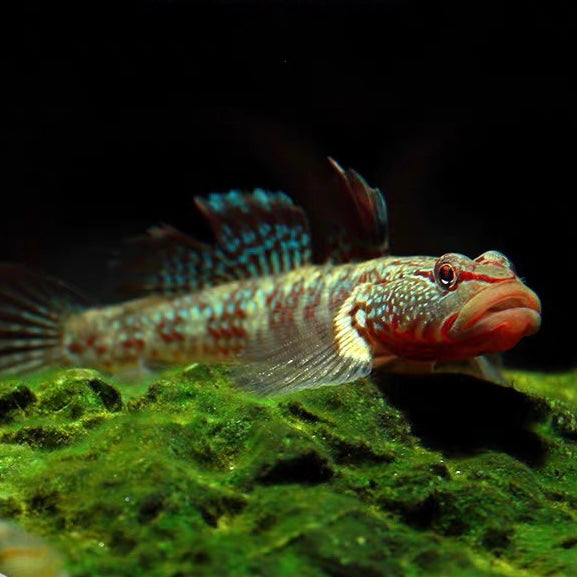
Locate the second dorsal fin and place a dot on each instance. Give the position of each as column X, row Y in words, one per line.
column 362, row 232
column 257, row 233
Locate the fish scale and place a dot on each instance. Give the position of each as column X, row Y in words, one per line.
column 255, row 298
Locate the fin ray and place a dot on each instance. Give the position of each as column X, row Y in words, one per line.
column 32, row 310
column 303, row 353
column 257, row 233
column 361, row 233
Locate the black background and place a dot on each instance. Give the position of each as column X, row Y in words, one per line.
column 115, row 114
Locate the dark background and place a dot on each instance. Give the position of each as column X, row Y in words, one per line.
column 114, row 115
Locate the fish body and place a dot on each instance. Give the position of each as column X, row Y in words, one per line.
column 256, row 298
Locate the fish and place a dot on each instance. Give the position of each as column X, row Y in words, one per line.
column 257, row 297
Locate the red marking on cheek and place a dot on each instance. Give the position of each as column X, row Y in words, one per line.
column 428, row 334
column 472, row 275
column 447, row 324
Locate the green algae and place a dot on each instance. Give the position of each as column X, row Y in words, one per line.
column 185, row 475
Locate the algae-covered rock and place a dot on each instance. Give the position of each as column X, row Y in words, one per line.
column 77, row 393
column 189, row 476
column 15, row 398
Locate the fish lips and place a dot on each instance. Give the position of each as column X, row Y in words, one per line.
column 499, row 315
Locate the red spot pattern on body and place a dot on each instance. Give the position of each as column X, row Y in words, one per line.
column 84, row 345
column 76, row 347
column 239, row 311
column 226, row 332
column 282, row 313
column 170, row 336
column 168, row 332
column 132, row 343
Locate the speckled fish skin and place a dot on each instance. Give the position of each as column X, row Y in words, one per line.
column 289, row 324
column 387, row 307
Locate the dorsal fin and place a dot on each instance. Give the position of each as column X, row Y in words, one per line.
column 257, row 233
column 348, row 218
column 361, row 233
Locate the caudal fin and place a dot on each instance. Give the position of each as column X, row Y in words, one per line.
column 33, row 308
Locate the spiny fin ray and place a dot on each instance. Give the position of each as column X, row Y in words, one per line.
column 362, row 231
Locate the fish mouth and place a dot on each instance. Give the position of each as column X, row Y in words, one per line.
column 499, row 316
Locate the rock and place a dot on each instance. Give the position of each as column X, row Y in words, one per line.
column 201, row 478
column 15, row 398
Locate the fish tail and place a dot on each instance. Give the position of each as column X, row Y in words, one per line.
column 33, row 310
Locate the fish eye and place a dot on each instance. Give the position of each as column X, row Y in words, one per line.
column 446, row 275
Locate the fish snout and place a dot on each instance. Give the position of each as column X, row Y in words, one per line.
column 498, row 316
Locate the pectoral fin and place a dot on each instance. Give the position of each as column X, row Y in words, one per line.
column 321, row 349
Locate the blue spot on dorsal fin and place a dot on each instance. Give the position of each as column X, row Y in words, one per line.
column 257, row 233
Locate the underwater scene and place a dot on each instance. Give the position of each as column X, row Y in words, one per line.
column 285, row 291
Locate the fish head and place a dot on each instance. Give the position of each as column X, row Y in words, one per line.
column 454, row 307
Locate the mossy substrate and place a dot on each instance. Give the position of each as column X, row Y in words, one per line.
column 185, row 475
